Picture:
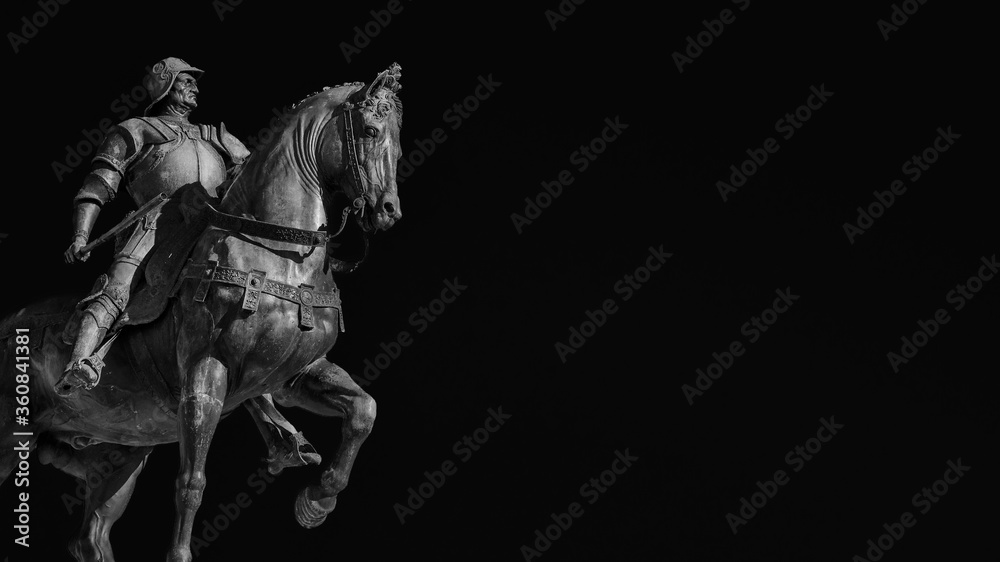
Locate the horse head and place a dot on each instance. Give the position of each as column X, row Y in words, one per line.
column 372, row 117
column 341, row 142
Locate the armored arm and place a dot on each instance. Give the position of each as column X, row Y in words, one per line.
column 101, row 185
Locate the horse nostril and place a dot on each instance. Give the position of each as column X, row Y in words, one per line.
column 390, row 209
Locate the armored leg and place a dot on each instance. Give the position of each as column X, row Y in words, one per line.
column 102, row 308
column 100, row 311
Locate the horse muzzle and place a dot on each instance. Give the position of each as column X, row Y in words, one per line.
column 385, row 214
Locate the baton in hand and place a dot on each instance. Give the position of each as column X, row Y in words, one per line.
column 129, row 221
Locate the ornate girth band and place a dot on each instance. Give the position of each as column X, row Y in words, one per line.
column 256, row 282
column 271, row 231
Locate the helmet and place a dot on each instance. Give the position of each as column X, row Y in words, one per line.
column 160, row 78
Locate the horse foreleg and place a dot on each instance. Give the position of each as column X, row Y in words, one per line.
column 202, row 394
column 107, row 498
column 328, row 390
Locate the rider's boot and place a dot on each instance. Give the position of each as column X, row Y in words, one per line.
column 84, row 368
column 286, row 446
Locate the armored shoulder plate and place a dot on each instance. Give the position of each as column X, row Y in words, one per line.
column 228, row 145
column 114, row 155
column 148, row 130
column 236, row 149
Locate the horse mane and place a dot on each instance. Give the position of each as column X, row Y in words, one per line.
column 379, row 101
column 236, row 192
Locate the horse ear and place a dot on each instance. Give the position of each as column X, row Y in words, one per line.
column 359, row 95
column 388, row 79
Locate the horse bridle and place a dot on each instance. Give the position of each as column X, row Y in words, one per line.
column 252, row 227
column 365, row 196
column 358, row 200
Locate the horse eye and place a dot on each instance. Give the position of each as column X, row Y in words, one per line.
column 371, row 131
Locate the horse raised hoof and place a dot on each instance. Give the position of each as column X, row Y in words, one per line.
column 85, row 373
column 295, row 451
column 310, row 513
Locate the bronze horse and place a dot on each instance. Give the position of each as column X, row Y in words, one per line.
column 209, row 352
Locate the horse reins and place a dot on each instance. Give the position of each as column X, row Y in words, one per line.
column 309, row 238
column 361, row 198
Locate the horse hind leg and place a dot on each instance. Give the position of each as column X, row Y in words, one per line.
column 328, row 390
column 286, row 446
column 105, row 505
column 109, row 473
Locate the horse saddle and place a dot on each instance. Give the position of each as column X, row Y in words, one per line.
column 180, row 228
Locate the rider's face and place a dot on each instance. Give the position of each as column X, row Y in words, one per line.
column 185, row 91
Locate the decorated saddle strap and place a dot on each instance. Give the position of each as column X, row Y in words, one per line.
column 271, row 231
column 256, row 282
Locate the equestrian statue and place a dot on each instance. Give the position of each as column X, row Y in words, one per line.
column 220, row 293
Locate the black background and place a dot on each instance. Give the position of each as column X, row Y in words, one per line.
column 655, row 185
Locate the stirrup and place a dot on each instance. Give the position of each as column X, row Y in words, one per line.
column 85, row 373
column 293, row 451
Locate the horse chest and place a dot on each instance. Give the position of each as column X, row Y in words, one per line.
column 279, row 348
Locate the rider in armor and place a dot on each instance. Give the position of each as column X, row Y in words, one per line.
column 159, row 152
